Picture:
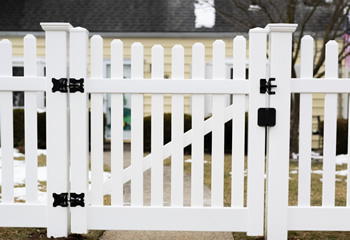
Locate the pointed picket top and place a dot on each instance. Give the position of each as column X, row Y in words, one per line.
column 177, row 66
column 157, row 62
column 117, row 61
column 331, row 62
column 30, row 68
column 5, row 57
column 239, row 57
column 219, row 59
column 198, row 61
column 97, row 56
column 137, row 60
column 307, row 58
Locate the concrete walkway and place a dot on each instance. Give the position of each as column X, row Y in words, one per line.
column 148, row 235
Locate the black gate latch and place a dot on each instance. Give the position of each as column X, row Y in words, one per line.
column 266, row 86
column 62, row 85
column 266, row 117
column 63, row 201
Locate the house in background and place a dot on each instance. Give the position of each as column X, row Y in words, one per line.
column 165, row 22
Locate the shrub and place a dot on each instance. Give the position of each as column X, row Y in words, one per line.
column 342, row 135
column 18, row 129
column 188, row 126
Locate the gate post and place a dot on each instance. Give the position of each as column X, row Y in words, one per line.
column 280, row 54
column 79, row 129
column 57, row 137
column 256, row 137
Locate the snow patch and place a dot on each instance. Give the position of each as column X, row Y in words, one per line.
column 190, row 161
column 204, row 13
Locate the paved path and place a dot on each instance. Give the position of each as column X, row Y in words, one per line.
column 148, row 235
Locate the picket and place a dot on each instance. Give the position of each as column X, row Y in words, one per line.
column 305, row 132
column 117, row 154
column 217, row 177
column 97, row 124
column 238, row 125
column 6, row 125
column 197, row 173
column 330, row 128
column 157, row 126
column 137, row 128
column 177, row 129
column 30, row 122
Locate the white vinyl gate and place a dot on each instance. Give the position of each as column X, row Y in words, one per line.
column 68, row 135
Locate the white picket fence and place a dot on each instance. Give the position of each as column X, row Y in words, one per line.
column 67, row 137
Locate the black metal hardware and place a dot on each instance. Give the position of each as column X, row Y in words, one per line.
column 76, row 85
column 60, row 199
column 266, row 117
column 266, row 86
column 77, row 199
column 62, row 85
column 63, row 200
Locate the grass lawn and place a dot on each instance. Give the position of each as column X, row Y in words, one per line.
column 316, row 196
column 40, row 233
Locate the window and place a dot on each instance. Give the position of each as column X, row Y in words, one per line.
column 127, row 101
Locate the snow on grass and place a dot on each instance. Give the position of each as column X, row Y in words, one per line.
column 190, row 161
column 20, row 177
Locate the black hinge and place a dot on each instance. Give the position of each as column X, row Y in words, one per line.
column 62, row 85
column 266, row 117
column 266, row 86
column 63, row 200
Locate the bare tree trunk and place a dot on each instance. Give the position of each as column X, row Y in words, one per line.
column 294, row 122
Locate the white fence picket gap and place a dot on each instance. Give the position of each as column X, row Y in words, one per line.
column 197, row 173
column 177, row 130
column 56, row 134
column 6, row 125
column 280, row 38
column 330, row 128
column 238, row 125
column 256, row 134
column 217, row 175
column 157, row 126
column 79, row 127
column 97, row 124
column 30, row 122
column 137, row 128
column 117, row 141
column 305, row 123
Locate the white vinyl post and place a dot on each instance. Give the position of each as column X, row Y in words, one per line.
column 256, row 134
column 280, row 50
column 57, row 138
column 79, row 132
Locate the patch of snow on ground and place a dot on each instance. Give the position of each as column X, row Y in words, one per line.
column 204, row 13
column 190, row 161
column 341, row 159
column 293, row 172
column 317, row 171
